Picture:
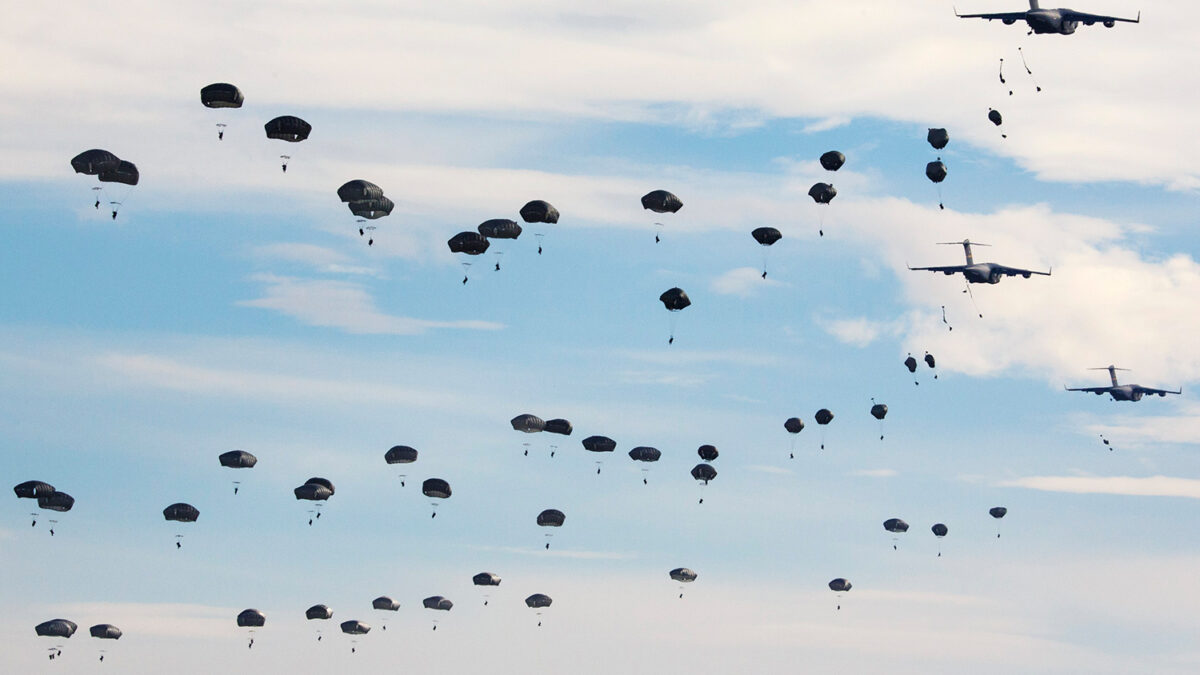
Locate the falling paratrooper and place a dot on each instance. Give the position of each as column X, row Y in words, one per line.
column 539, row 211
column 675, row 300
column 822, row 194
column 793, row 425
column 290, row 129
column 766, row 236
column 661, row 201
column 645, row 454
column 939, row 530
column 684, row 576
column 824, row 416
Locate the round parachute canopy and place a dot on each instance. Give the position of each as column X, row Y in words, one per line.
column 538, row 211
column 704, row 472
column 599, row 444
column 644, row 453
column 313, row 492
column 180, row 512
column 939, row 530
column 238, row 459
column 833, row 160
column 879, row 411
column 93, row 162
column 32, row 489
column 221, row 95
column 438, row 602
column 559, row 426
column 794, row 425
column 251, row 618
column 911, row 364
column 530, row 424
column 538, row 600
column 385, row 603
column 683, row 574
column 56, row 628
column 124, row 172
column 551, row 518
column 998, row 511
column 400, row 454
column 895, row 525
column 355, row 628
column 324, row 482
column 935, row 171
column 766, row 235
column 994, row 116
column 938, row 138
column 105, row 631
column 288, row 128
column 358, row 190
column 840, row 585
column 436, row 488
column 499, row 228
column 56, row 501
column 822, row 193
column 486, row 579
column 471, row 243
column 824, row 416
column 708, row 452
column 929, row 361
column 661, row 201
column 675, row 299
column 372, row 209
column 318, row 612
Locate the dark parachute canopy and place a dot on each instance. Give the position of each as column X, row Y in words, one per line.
column 180, row 512
column 353, row 627
column 538, row 211
column 929, row 360
column 318, row 612
column 486, row 579
column 400, row 454
column 995, row 117
column 538, row 600
column 938, row 138
column 32, row 489
column 559, row 426
column 911, row 364
column 56, row 628
column 471, row 243
column 385, row 603
column 599, row 444
column 824, row 416
column 221, row 95
column 251, row 618
column 840, row 585
column 358, row 189
column 879, row 411
column 675, row 299
column 105, row 631
column 708, row 452
column 551, row 518
column 998, row 512
column 530, row 424
column 833, row 160
column 436, row 488
column 766, row 235
column 93, row 162
column 124, row 172
column 313, row 492
column 644, row 453
column 939, row 530
column 238, row 459
column 794, row 425
column 895, row 525
column 324, row 482
column 822, row 193
column 661, row 201
column 935, row 171
column 704, row 472
column 372, row 209
column 288, row 128
column 499, row 228
column 438, row 602
column 683, row 574
column 56, row 501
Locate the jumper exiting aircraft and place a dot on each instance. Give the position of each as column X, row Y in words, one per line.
column 1062, row 21
column 979, row 273
column 1123, row 392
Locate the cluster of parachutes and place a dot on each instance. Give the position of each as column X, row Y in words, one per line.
column 365, row 200
column 64, row 629
column 288, row 128
column 478, row 242
column 107, row 168
column 47, row 498
column 897, row 526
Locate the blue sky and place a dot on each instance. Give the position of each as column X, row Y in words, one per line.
column 233, row 306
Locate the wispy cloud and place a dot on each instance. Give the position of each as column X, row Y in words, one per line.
column 1150, row 486
column 742, row 281
column 875, row 473
column 859, row 332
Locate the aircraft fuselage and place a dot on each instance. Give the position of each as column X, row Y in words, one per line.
column 981, row 273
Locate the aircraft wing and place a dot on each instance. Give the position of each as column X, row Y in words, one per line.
column 1160, row 392
column 1091, row 390
column 948, row 269
column 1008, row 17
column 1014, row 271
column 1088, row 19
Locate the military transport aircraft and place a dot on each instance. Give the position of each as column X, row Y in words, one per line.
column 1123, row 392
column 1062, row 20
column 979, row 273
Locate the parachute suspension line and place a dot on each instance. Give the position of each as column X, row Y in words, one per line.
column 792, row 449
column 466, row 272
column 97, row 194
column 765, row 251
column 658, row 228
column 236, row 485
column 672, row 322
column 1002, row 80
column 645, row 475
column 1027, row 70
column 526, row 444
column 553, row 449
column 284, row 160
column 822, row 436
column 498, row 255
column 971, row 295
column 34, row 516
column 599, row 464
column 951, row 328
column 1105, row 441
column 539, row 236
column 220, row 131
column 820, row 221
column 549, row 536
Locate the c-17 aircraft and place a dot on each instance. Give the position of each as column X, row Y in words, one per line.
column 979, row 273
column 1062, row 20
column 1123, row 392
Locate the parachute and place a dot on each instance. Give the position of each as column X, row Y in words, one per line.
column 355, row 628
column 538, row 600
column 313, row 492
column 288, row 128
column 238, row 459
column 437, row 602
column 822, row 193
column 683, row 575
column 499, row 228
column 486, row 579
column 704, row 473
column 911, row 364
column 125, row 172
column 105, row 631
column 527, row 423
column 251, row 618
column 644, row 453
column 559, row 426
column 895, row 525
column 599, row 444
column 674, row 299
column 180, row 512
column 56, row 501
column 32, row 489
column 538, row 211
column 708, row 452
column 840, row 586
column 661, row 201
column 793, row 425
column 372, row 209
column 221, row 95
column 56, row 628
column 400, row 454
column 94, row 162
column 471, row 243
column 998, row 512
column 879, row 411
column 929, row 360
column 385, row 603
column 824, row 417
column 935, row 171
column 358, row 190
column 997, row 119
column 766, row 236
column 551, row 518
column 435, row 488
column 938, row 138
column 318, row 612
column 832, row 160
column 939, row 530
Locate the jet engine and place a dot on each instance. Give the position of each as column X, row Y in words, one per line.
column 1008, row 22
column 1136, row 395
column 1069, row 27
column 1109, row 24
column 994, row 277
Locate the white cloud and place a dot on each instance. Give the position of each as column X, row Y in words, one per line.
column 345, row 306
column 742, row 281
column 859, row 332
column 1150, row 486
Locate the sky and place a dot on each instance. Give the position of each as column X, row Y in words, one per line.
column 231, row 305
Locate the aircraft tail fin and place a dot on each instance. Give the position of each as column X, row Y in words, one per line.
column 966, row 244
column 1112, row 373
column 1033, row 4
